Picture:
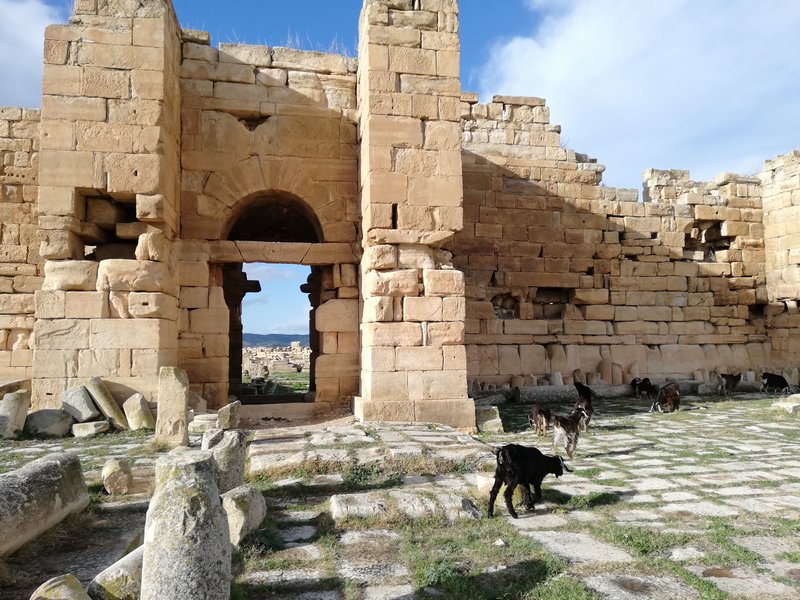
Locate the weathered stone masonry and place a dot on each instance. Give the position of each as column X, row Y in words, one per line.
column 450, row 242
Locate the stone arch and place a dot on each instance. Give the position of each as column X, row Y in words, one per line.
column 226, row 192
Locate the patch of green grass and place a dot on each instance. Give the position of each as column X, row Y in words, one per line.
column 590, row 473
column 561, row 588
column 789, row 557
column 370, row 476
column 592, row 500
column 460, row 562
column 97, row 493
column 644, row 542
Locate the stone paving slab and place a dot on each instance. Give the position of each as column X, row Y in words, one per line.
column 630, row 587
column 743, row 582
column 579, row 547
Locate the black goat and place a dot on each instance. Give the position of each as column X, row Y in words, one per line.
column 644, row 388
column 523, row 466
column 771, row 381
column 668, row 399
column 584, row 402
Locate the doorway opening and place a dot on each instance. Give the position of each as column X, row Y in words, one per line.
column 273, row 344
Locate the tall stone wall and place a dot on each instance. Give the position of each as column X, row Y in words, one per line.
column 781, row 189
column 413, row 361
column 265, row 122
column 563, row 274
column 20, row 264
column 108, row 198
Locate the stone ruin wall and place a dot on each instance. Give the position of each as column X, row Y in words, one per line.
column 108, row 199
column 564, row 274
column 20, row 263
column 152, row 144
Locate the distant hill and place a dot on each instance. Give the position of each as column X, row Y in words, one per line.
column 273, row 339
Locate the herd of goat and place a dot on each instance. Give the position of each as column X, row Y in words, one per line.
column 522, row 466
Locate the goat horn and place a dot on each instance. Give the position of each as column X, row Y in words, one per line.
column 563, row 464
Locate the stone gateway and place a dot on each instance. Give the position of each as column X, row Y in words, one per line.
column 450, row 242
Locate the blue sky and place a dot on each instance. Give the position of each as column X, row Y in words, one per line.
column 709, row 86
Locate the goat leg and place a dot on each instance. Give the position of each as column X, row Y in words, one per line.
column 493, row 494
column 508, row 495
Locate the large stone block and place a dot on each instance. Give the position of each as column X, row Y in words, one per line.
column 48, row 422
column 77, row 402
column 440, row 282
column 337, row 315
column 70, row 275
column 37, row 496
column 138, row 413
column 136, row 276
column 245, row 508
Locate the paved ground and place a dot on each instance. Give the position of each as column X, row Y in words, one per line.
column 704, row 503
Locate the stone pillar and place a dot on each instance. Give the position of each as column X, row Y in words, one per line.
column 38, row 496
column 109, row 178
column 413, row 365
column 172, row 427
column 187, row 551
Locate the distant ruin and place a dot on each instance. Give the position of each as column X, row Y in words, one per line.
column 450, row 242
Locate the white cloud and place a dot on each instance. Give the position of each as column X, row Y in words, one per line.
column 708, row 86
column 22, row 24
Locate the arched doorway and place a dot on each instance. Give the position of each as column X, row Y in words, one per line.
column 271, row 218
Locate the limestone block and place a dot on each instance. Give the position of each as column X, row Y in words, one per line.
column 77, row 402
column 82, row 430
column 117, row 476
column 152, row 305
column 228, row 416
column 106, row 403
column 380, row 257
column 440, row 282
column 136, row 276
column 86, row 305
column 138, row 413
column 153, row 246
column 337, row 315
column 173, row 404
column 391, row 334
column 589, row 296
column 63, row 587
column 187, row 551
column 487, row 418
column 13, row 410
column 209, row 320
column 245, row 508
column 445, row 333
column 418, row 359
column 422, row 309
column 120, row 581
column 37, row 496
column 60, row 245
column 49, row 304
column 380, row 308
column 145, row 334
column 392, row 283
column 70, row 275
column 48, row 422
column 229, row 448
